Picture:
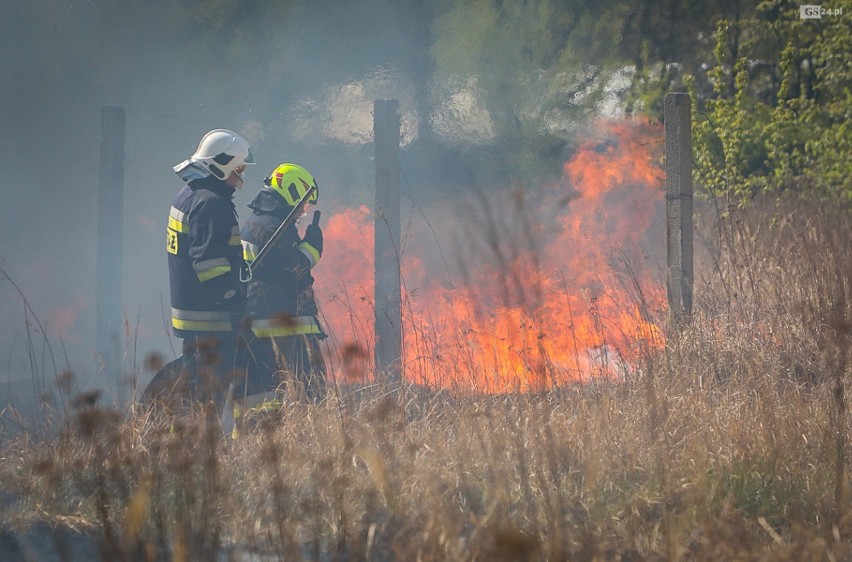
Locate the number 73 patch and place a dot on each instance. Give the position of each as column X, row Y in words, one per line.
column 171, row 241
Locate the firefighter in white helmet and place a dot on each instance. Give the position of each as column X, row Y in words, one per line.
column 205, row 268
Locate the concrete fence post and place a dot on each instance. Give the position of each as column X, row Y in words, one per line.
column 110, row 245
column 387, row 227
column 679, row 222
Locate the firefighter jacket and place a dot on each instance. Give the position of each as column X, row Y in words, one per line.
column 280, row 293
column 205, row 259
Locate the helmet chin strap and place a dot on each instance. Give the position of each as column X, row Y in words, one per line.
column 235, row 180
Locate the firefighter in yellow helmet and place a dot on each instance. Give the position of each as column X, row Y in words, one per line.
column 280, row 296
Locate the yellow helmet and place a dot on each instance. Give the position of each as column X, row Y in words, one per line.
column 291, row 182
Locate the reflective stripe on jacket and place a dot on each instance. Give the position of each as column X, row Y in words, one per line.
column 205, row 258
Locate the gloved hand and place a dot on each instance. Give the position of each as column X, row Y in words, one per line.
column 313, row 236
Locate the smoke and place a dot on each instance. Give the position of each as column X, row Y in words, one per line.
column 178, row 69
column 296, row 78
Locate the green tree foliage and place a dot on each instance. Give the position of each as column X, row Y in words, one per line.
column 780, row 108
column 661, row 42
column 543, row 68
column 772, row 90
column 539, row 68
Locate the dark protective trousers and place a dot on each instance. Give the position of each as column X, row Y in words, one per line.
column 280, row 360
column 210, row 363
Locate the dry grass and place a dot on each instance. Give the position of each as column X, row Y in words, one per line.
column 731, row 444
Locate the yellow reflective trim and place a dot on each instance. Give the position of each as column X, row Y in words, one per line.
column 201, row 326
column 234, row 240
column 178, row 226
column 208, row 269
column 310, row 252
column 176, row 220
column 209, row 274
column 205, row 315
column 250, row 251
column 274, row 331
column 253, row 405
column 264, row 407
column 204, row 265
column 256, row 403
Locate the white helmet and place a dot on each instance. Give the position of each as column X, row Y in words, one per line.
column 222, row 151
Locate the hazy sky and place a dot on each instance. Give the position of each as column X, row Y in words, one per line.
column 62, row 61
column 298, row 80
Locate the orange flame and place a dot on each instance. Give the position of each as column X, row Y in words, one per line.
column 559, row 291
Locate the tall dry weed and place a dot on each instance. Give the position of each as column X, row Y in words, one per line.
column 730, row 443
